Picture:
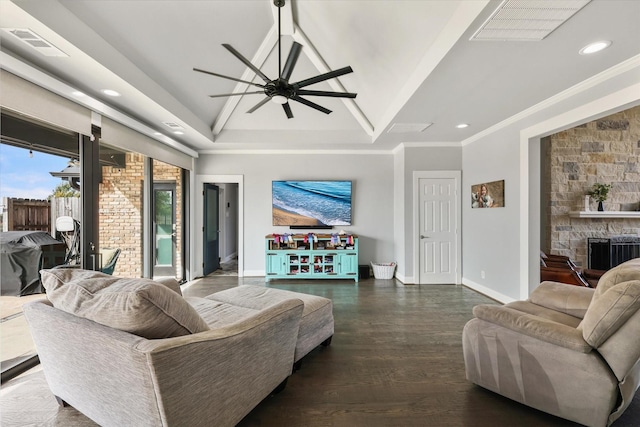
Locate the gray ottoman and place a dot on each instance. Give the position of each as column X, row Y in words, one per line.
column 316, row 326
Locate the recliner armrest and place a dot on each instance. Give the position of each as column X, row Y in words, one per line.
column 591, row 273
column 563, row 275
column 558, row 258
column 533, row 326
column 568, row 299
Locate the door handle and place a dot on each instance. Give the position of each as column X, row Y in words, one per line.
column 424, row 237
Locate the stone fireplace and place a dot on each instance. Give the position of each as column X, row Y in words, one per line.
column 606, row 151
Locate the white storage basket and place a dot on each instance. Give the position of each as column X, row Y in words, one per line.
column 383, row 270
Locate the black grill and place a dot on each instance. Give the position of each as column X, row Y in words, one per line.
column 608, row 253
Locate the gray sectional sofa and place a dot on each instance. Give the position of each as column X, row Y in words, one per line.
column 135, row 352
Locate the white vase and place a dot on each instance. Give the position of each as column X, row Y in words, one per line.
column 586, row 203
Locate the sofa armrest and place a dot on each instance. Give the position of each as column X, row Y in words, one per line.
column 568, row 299
column 533, row 326
column 170, row 283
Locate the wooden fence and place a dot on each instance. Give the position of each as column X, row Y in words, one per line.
column 37, row 215
column 26, row 215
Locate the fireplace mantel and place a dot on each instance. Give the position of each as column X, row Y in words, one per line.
column 605, row 214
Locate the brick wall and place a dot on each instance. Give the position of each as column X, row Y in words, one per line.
column 121, row 213
column 605, row 151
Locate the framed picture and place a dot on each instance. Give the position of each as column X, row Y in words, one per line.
column 488, row 195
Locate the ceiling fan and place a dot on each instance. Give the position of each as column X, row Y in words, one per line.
column 281, row 90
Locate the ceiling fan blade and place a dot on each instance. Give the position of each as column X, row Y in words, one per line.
column 259, row 104
column 311, row 104
column 227, row 77
column 287, row 110
column 323, row 93
column 247, row 62
column 323, row 77
column 294, row 53
column 236, row 94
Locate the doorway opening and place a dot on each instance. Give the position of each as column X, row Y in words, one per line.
column 228, row 227
column 226, row 208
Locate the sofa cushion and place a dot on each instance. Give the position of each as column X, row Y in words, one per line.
column 218, row 314
column 170, row 283
column 138, row 306
column 316, row 326
column 609, row 310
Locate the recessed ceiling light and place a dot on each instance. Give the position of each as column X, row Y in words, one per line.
column 462, row 125
column 77, row 93
column 178, row 132
column 110, row 92
column 595, row 47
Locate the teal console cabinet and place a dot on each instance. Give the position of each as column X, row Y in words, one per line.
column 311, row 256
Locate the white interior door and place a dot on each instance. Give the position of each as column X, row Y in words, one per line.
column 438, row 237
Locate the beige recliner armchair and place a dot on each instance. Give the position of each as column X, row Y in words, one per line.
column 570, row 351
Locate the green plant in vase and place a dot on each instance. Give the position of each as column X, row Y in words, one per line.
column 600, row 192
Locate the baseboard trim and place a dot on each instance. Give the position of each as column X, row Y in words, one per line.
column 486, row 291
column 406, row 280
column 253, row 273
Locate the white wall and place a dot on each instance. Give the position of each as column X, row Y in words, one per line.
column 504, row 242
column 372, row 177
column 490, row 239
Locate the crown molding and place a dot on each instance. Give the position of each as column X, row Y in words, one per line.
column 616, row 70
column 306, row 152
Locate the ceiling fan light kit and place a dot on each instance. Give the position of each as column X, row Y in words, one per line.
column 280, row 91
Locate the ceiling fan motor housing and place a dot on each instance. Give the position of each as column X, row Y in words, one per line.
column 279, row 87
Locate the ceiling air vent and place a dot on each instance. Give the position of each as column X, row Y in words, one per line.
column 527, row 20
column 27, row 36
column 173, row 126
column 408, row 127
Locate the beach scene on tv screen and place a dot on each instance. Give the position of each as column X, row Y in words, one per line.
column 311, row 203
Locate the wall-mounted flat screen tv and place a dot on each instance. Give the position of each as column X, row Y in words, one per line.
column 311, row 203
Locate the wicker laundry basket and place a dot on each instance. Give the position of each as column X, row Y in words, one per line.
column 383, row 270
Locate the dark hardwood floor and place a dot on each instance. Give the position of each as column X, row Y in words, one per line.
column 395, row 360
